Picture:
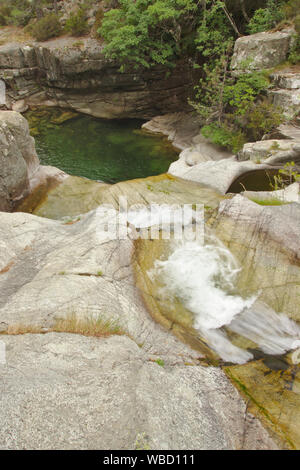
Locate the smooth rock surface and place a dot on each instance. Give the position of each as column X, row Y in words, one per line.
column 218, row 175
column 53, row 269
column 63, row 391
column 261, row 50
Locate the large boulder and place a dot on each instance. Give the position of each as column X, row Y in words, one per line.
column 73, row 73
column 18, row 158
column 63, row 391
column 261, row 50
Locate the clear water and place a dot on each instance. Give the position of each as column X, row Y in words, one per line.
column 104, row 150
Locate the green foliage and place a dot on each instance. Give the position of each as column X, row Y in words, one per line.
column 294, row 56
column 265, row 19
column 77, row 23
column 243, row 92
column 149, row 32
column 160, row 362
column 16, row 13
column 214, row 34
column 246, row 123
column 20, row 12
column 46, row 28
column 214, row 41
column 292, row 8
column 230, row 107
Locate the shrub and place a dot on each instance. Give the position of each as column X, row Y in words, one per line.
column 46, row 28
column 221, row 134
column 292, row 8
column 2, row 20
column 4, row 14
column 19, row 17
column 294, row 56
column 77, row 23
column 286, row 176
column 261, row 119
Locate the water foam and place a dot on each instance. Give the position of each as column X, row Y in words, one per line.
column 203, row 278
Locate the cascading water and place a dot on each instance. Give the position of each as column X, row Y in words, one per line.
column 203, row 278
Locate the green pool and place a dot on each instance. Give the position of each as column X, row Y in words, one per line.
column 104, row 150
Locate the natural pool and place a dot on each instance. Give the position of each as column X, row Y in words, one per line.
column 98, row 149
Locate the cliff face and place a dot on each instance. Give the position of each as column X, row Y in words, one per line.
column 75, row 74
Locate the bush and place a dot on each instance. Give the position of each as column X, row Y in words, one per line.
column 237, row 129
column 2, row 20
column 245, row 90
column 19, row 17
column 46, row 28
column 77, row 23
column 294, row 56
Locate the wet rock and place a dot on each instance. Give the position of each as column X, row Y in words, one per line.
column 81, row 195
column 20, row 106
column 265, row 240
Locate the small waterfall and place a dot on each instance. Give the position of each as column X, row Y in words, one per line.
column 203, row 278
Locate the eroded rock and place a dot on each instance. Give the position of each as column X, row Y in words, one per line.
column 62, row 391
